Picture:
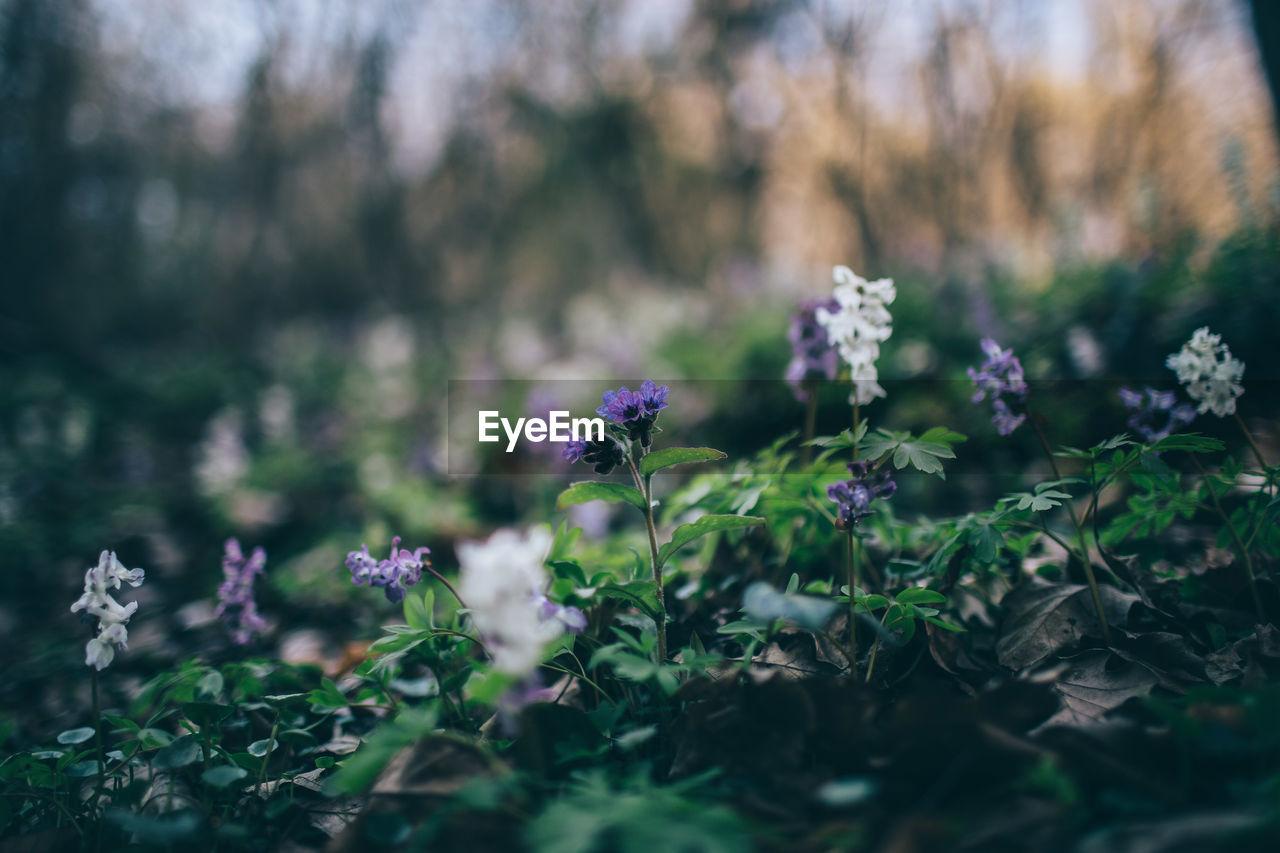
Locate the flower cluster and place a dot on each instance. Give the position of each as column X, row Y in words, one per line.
column 635, row 410
column 605, row 455
column 1156, row 414
column 853, row 497
column 1001, row 377
column 502, row 582
column 112, row 617
column 812, row 356
column 236, row 605
column 857, row 325
column 1211, row 374
column 402, row 569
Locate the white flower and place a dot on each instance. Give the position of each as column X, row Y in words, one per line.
column 858, row 326
column 502, row 581
column 1212, row 376
column 112, row 617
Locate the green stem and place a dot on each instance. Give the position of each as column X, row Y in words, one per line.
column 271, row 746
column 855, row 423
column 1235, row 537
column 1034, row 418
column 853, row 622
column 871, row 664
column 97, row 742
column 1253, row 445
column 645, row 484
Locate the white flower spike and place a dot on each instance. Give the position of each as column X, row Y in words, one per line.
column 112, row 617
column 858, row 326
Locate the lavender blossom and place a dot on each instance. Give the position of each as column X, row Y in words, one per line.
column 605, row 455
column 402, row 569
column 813, row 357
column 853, row 497
column 236, row 605
column 635, row 410
column 1156, row 414
column 1001, row 376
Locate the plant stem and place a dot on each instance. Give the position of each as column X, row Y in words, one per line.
column 855, row 423
column 871, row 663
column 1034, row 418
column 645, row 484
column 853, row 623
column 1253, row 445
column 1235, row 537
column 97, row 740
column 447, row 585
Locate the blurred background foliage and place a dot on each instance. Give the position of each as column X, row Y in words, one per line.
column 246, row 244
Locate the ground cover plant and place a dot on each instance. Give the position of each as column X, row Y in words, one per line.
column 774, row 652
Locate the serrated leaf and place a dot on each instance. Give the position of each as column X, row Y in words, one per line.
column 669, row 456
column 686, row 533
column 595, row 490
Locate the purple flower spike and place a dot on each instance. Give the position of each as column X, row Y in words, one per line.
column 1156, row 414
column 402, row 569
column 813, row 358
column 1000, row 377
column 635, row 410
column 236, row 605
column 853, row 497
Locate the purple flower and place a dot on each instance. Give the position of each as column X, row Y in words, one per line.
column 402, row 569
column 573, row 619
column 1001, row 376
column 853, row 497
column 605, row 455
column 813, row 358
column 1156, row 414
column 635, row 410
column 236, row 605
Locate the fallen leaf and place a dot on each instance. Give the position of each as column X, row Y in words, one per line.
column 1043, row 619
column 1096, row 683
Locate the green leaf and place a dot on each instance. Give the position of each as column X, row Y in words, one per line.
column 154, row 738
column 669, row 456
column 1046, row 500
column 74, row 736
column 920, row 453
column 920, row 595
column 1190, row 442
column 183, row 751
column 259, row 748
column 324, row 762
column 594, row 490
column 686, row 533
column 417, row 612
column 210, row 686
column 642, row 593
column 223, row 775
